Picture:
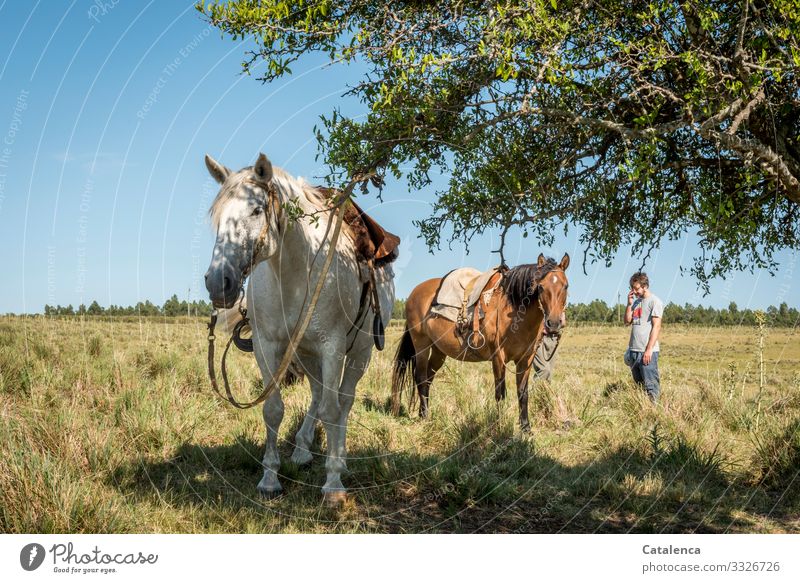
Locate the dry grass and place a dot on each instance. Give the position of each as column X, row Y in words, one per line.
column 111, row 427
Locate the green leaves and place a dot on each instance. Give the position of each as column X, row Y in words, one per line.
column 629, row 122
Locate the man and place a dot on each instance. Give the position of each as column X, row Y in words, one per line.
column 644, row 314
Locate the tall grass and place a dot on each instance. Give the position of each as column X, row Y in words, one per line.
column 110, row 426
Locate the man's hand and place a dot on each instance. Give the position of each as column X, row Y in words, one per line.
column 647, row 356
column 629, row 310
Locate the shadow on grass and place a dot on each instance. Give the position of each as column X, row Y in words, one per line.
column 487, row 483
column 381, row 406
column 614, row 387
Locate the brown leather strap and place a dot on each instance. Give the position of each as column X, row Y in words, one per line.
column 212, row 372
column 476, row 319
column 361, row 315
column 476, row 316
column 465, row 299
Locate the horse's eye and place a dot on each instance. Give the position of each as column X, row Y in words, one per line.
column 257, row 211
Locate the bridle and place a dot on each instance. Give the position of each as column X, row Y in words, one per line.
column 273, row 203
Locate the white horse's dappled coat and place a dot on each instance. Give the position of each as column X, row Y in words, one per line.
column 283, row 274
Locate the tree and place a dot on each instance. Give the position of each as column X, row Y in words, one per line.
column 174, row 307
column 399, row 309
column 673, row 313
column 632, row 122
column 147, row 308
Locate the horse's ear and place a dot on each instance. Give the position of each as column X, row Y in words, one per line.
column 564, row 262
column 218, row 171
column 263, row 168
column 541, row 260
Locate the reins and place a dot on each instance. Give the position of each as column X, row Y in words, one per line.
column 300, row 326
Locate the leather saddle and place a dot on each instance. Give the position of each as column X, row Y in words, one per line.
column 372, row 241
column 384, row 243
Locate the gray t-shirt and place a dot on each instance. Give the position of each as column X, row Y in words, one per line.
column 643, row 311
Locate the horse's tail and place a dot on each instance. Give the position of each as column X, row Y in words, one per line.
column 405, row 364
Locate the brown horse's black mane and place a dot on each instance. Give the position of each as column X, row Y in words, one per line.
column 520, row 283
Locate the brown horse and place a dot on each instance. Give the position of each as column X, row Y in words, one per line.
column 529, row 302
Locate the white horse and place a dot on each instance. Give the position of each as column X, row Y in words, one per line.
column 255, row 236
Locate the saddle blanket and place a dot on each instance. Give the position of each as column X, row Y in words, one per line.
column 448, row 300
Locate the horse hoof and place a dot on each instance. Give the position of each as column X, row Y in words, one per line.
column 270, row 494
column 334, row 498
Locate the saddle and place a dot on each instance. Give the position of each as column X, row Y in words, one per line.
column 372, row 242
column 463, row 297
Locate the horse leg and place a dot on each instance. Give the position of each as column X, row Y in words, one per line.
column 305, row 435
column 272, row 410
column 330, row 413
column 354, row 369
column 523, row 376
column 421, row 378
column 267, row 356
column 435, row 360
column 499, row 370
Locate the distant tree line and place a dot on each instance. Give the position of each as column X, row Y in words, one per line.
column 599, row 312
column 596, row 311
column 172, row 307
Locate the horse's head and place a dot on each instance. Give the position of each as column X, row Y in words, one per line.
column 247, row 216
column 552, row 293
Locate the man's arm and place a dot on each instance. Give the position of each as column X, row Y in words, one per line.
column 651, row 341
column 629, row 310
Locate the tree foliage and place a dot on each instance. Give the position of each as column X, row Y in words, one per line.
column 632, row 121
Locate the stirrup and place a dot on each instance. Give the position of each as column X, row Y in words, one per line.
column 475, row 346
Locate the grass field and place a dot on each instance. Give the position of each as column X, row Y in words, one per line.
column 112, row 427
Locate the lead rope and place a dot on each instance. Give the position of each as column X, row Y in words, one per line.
column 299, row 329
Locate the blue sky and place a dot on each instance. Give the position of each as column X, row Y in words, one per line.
column 106, row 111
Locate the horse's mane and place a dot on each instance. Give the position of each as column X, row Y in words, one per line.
column 288, row 188
column 519, row 283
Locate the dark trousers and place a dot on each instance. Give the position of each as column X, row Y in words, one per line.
column 646, row 374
